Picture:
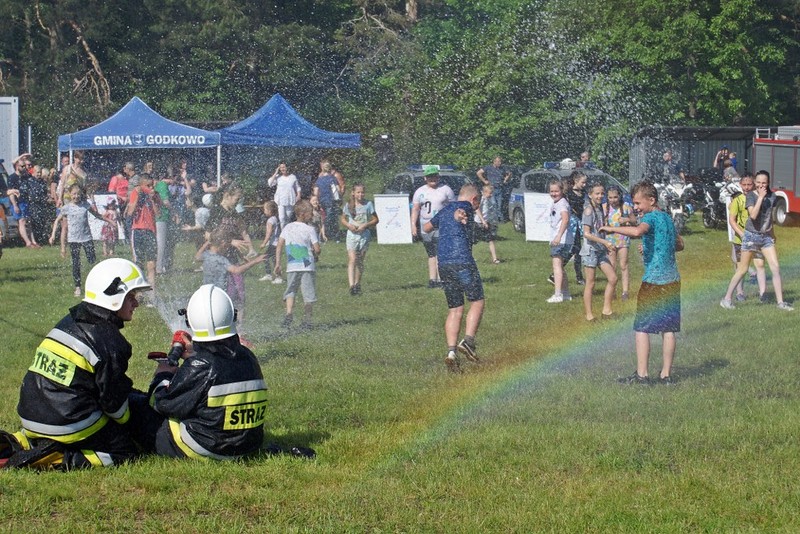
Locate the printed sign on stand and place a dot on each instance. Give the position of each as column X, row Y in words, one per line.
column 537, row 216
column 394, row 219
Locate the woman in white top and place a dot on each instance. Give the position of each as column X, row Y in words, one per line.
column 287, row 193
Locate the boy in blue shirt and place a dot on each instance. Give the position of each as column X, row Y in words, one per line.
column 658, row 307
column 459, row 273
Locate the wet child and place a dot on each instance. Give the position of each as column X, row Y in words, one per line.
column 658, row 306
column 619, row 213
column 79, row 233
column 110, row 232
column 358, row 216
column 561, row 237
column 301, row 243
column 217, row 268
column 271, row 234
column 318, row 218
column 595, row 252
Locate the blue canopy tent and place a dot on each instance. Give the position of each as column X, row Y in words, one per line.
column 277, row 124
column 135, row 125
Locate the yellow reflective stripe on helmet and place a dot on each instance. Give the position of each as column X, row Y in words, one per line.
column 59, row 349
column 66, row 433
column 175, row 430
column 134, row 274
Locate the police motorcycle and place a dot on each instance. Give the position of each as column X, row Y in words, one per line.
column 715, row 198
column 675, row 197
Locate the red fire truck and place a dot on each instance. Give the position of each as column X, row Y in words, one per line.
column 778, row 151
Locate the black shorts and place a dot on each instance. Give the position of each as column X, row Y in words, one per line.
column 658, row 308
column 460, row 280
column 144, row 246
column 432, row 247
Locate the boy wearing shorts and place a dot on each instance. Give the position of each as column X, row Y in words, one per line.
column 459, row 273
column 301, row 243
column 658, row 309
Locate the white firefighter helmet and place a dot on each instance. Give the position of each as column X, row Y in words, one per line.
column 210, row 314
column 110, row 280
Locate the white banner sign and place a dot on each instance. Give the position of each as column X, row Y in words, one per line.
column 537, row 216
column 394, row 219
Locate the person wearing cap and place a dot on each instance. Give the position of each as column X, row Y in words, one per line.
column 427, row 201
column 214, row 405
column 77, row 404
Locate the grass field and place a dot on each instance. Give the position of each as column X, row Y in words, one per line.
column 539, row 437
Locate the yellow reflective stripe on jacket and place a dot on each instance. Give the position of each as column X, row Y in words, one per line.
column 66, row 433
column 234, row 399
column 98, row 459
column 122, row 414
column 175, row 430
column 67, row 353
column 246, row 392
column 75, row 344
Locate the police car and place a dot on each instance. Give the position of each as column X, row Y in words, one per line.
column 538, row 180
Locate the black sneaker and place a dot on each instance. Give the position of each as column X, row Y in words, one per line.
column 287, row 321
column 551, row 279
column 432, row 284
column 666, row 381
column 357, row 289
column 634, row 379
column 580, row 282
column 469, row 350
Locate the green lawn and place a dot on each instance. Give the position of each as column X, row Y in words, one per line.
column 540, row 437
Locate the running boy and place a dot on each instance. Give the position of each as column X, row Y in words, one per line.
column 301, row 243
column 658, row 308
column 459, row 273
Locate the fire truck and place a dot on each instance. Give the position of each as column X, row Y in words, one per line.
column 778, row 151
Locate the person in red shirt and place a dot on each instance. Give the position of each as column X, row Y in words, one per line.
column 144, row 206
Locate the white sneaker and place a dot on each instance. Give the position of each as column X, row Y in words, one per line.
column 77, row 292
column 555, row 299
column 728, row 305
column 277, row 280
column 452, row 363
column 785, row 306
column 265, row 278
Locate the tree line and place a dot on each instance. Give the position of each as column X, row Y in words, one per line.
column 450, row 80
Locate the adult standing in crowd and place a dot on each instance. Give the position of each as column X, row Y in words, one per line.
column 498, row 177
column 18, row 191
column 77, row 404
column 287, row 193
column 163, row 227
column 671, row 168
column 427, row 201
column 39, row 206
column 326, row 189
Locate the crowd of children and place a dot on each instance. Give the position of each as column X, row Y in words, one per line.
column 589, row 225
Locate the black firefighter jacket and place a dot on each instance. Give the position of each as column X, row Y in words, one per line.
column 215, row 402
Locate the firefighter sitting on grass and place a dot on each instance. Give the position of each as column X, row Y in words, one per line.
column 77, row 405
column 214, row 404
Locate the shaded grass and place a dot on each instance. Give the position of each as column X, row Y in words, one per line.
column 540, row 437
